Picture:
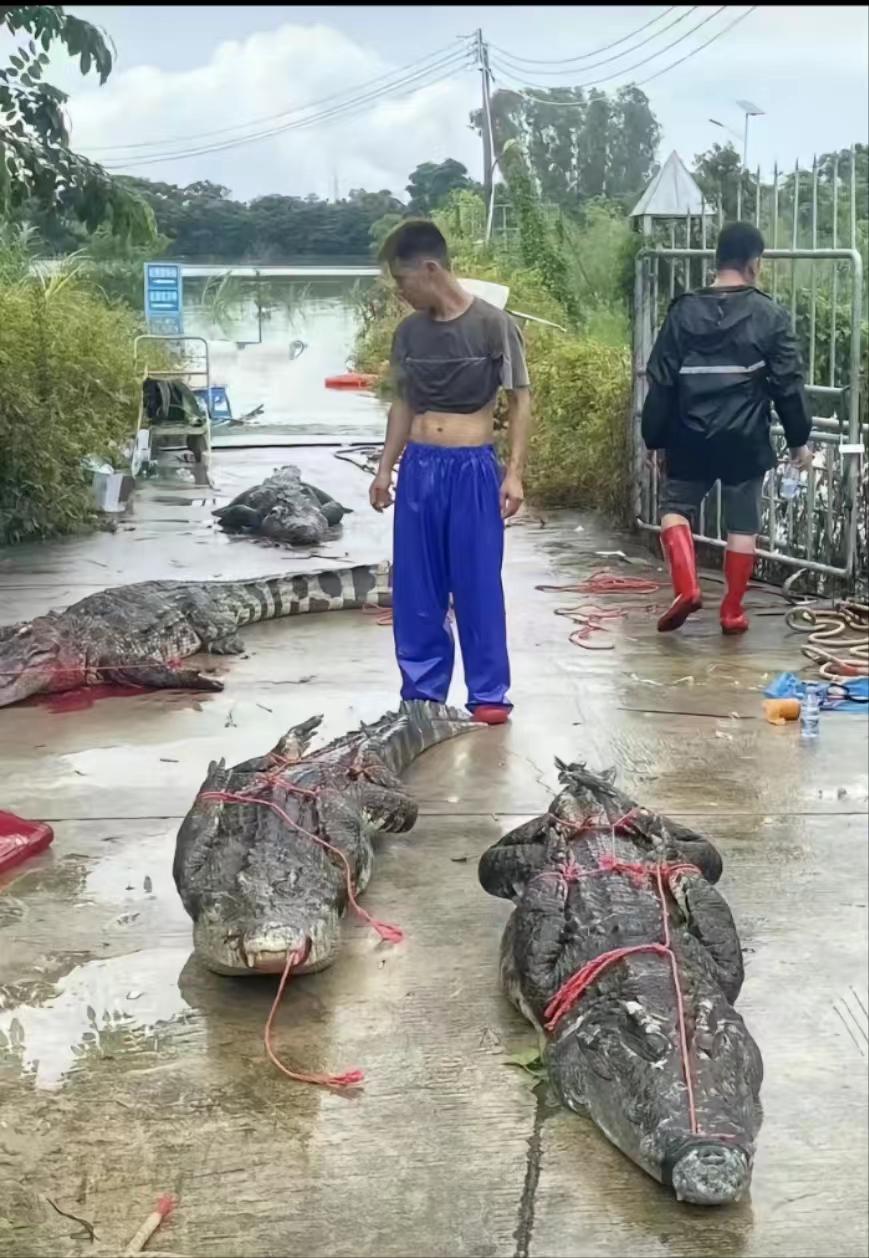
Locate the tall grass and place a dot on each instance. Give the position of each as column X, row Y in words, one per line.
column 69, row 390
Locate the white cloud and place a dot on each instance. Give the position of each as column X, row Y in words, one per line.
column 265, row 74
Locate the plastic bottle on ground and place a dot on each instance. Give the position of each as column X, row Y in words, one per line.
column 811, row 712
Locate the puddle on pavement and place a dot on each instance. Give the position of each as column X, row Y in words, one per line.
column 177, row 500
column 101, row 1009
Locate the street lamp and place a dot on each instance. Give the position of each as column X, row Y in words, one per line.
column 724, row 127
column 750, row 111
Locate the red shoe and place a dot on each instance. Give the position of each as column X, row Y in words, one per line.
column 678, row 546
column 491, row 714
column 738, row 568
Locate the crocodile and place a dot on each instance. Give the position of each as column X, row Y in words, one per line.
column 257, row 878
column 137, row 634
column 283, row 508
column 594, row 875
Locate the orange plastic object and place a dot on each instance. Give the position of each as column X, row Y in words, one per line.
column 20, row 839
column 780, row 711
column 352, row 380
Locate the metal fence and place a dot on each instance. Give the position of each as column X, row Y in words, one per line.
column 819, row 276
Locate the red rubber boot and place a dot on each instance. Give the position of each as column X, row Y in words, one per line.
column 678, row 546
column 738, row 568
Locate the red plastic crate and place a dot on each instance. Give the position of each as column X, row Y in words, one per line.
column 20, row 839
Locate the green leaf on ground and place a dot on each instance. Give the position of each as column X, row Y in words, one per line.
column 529, row 1060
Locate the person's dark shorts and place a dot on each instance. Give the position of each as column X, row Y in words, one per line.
column 740, row 503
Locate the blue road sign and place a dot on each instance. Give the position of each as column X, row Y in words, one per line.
column 164, row 310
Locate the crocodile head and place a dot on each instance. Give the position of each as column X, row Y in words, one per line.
column 257, row 891
column 34, row 659
column 618, row 1058
column 250, row 935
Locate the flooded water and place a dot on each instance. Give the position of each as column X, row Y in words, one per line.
column 275, row 348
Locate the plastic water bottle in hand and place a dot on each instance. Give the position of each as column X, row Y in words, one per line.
column 791, row 481
column 810, row 713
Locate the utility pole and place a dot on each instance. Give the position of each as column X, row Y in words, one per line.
column 482, row 51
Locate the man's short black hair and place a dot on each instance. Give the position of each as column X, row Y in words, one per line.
column 412, row 240
column 738, row 244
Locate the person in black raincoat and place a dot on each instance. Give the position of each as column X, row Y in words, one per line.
column 724, row 354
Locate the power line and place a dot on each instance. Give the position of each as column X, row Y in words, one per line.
column 694, row 51
column 412, row 83
column 616, row 74
column 513, row 62
column 541, row 61
column 256, row 122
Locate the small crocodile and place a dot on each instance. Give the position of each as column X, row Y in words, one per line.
column 283, row 508
column 618, row 946
column 136, row 634
column 262, row 887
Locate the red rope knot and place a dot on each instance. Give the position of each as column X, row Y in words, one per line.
column 598, row 821
column 641, row 873
column 567, row 873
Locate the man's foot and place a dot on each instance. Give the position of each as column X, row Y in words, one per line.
column 491, row 714
column 678, row 546
column 738, row 567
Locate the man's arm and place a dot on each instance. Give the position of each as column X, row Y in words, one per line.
column 786, row 387
column 519, row 427
column 662, row 376
column 517, row 386
column 398, row 425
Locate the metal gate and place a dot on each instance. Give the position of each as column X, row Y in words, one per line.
column 819, row 530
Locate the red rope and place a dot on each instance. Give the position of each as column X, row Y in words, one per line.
column 350, row 1078
column 590, row 618
column 383, row 617
column 604, row 582
column 392, row 934
column 574, row 988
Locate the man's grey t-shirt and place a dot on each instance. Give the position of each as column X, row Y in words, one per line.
column 456, row 366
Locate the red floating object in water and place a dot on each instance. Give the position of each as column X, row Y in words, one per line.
column 20, row 839
column 351, row 380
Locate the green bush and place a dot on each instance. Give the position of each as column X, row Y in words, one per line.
column 579, row 449
column 69, row 390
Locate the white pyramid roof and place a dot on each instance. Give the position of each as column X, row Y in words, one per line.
column 673, row 193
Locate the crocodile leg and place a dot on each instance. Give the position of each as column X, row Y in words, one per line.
column 154, row 675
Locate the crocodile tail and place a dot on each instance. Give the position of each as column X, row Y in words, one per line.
column 417, row 726
column 295, row 594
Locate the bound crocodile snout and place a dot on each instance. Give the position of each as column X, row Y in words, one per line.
column 711, row 1175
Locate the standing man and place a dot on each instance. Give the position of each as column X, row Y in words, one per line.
column 723, row 355
column 449, row 359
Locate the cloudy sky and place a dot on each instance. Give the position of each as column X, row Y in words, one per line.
column 191, row 78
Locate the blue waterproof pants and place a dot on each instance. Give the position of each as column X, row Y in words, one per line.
column 449, row 540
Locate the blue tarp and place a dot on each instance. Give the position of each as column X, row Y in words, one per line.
column 789, row 686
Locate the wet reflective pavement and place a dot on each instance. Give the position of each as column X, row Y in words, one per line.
column 127, row 1071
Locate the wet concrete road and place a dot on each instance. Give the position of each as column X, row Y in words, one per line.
column 126, row 1071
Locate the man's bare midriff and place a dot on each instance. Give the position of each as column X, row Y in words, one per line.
column 436, row 428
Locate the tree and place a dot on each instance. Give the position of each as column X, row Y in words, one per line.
column 432, row 182
column 579, row 147
column 37, row 166
column 717, row 171
column 379, row 230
